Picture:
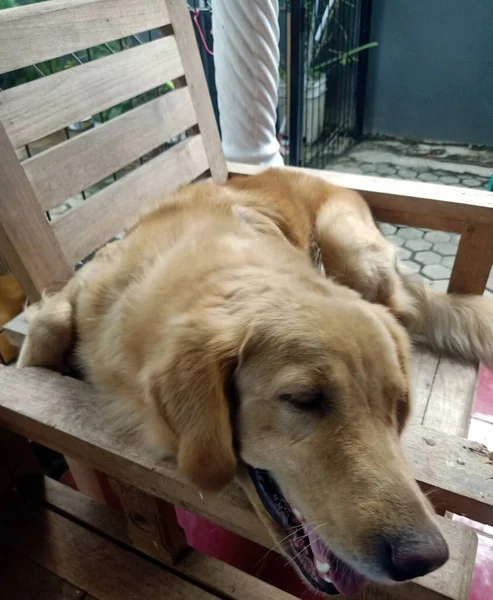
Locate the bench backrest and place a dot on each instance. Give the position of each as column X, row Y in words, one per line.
column 134, row 67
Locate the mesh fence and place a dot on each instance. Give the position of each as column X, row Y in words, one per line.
column 328, row 79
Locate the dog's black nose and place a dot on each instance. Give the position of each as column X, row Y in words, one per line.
column 416, row 554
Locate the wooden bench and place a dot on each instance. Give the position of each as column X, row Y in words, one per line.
column 144, row 543
column 55, row 540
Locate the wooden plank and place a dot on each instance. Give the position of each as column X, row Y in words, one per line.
column 438, row 206
column 118, row 206
column 227, row 580
column 64, row 414
column 424, row 364
column 450, row 401
column 67, row 169
column 152, row 524
column 23, row 579
column 45, row 105
column 216, row 575
column 88, row 481
column 96, row 565
column 35, row 33
column 398, row 216
column 96, row 516
column 473, row 261
column 194, row 72
column 26, row 239
column 42, row 406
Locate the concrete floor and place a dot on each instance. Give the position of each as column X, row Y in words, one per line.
column 429, row 253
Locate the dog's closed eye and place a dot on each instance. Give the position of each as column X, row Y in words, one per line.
column 309, row 400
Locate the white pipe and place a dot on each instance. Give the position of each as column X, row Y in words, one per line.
column 246, row 58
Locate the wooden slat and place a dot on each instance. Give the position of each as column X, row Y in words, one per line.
column 437, row 206
column 473, row 261
column 152, row 524
column 194, row 72
column 226, row 580
column 86, row 560
column 450, row 401
column 40, row 107
column 398, row 216
column 424, row 365
column 23, row 579
column 64, row 414
column 26, row 239
column 218, row 576
column 35, row 33
column 67, row 169
column 89, row 481
column 118, row 206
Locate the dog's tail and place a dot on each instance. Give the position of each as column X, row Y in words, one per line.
column 454, row 324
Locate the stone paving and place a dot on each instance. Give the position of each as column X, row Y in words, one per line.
column 429, row 253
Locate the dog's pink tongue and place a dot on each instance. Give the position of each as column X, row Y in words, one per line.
column 345, row 579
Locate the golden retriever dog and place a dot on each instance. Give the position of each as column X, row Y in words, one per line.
column 211, row 322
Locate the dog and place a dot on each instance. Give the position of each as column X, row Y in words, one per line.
column 241, row 359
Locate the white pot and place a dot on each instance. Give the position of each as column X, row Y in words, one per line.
column 314, row 107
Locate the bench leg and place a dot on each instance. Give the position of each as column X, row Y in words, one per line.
column 152, row 524
column 90, row 482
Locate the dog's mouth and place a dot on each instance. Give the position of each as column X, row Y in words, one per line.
column 319, row 565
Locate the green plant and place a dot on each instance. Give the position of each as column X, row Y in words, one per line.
column 323, row 26
column 14, row 3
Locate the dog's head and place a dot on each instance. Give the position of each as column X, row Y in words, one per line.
column 304, row 398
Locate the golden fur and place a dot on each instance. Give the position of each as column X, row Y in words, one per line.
column 216, row 289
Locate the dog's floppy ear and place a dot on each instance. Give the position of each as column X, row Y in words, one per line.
column 188, row 388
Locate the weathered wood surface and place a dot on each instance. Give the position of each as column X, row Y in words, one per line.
column 473, row 261
column 216, row 575
column 74, row 165
column 40, row 107
column 423, row 368
column 88, row 561
column 226, row 580
column 38, row 32
column 152, row 524
column 451, row 397
column 22, row 579
column 26, row 239
column 194, row 71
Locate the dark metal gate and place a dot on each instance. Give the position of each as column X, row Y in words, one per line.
column 324, row 50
